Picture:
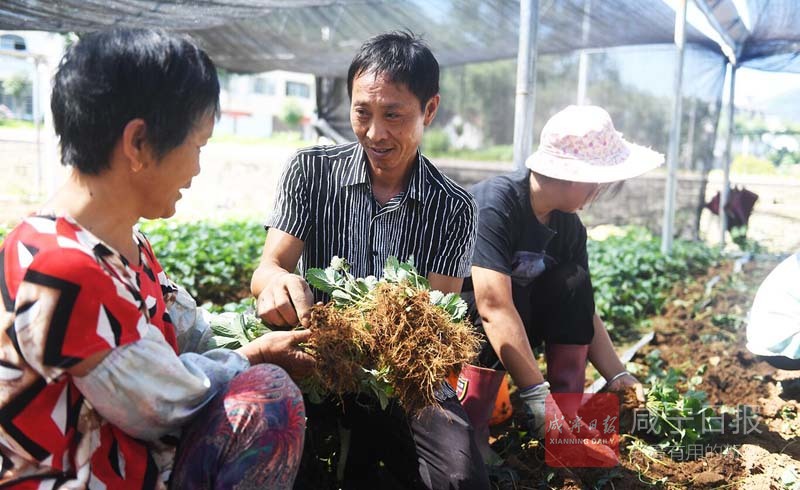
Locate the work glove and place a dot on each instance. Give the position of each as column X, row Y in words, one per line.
column 534, row 398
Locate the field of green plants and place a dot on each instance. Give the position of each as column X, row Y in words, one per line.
column 213, row 261
column 631, row 277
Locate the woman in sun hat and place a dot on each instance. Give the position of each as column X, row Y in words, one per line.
column 530, row 280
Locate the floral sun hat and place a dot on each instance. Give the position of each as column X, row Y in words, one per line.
column 580, row 144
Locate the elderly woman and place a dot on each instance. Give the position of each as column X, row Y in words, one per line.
column 102, row 384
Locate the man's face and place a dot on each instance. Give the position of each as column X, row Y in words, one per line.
column 388, row 121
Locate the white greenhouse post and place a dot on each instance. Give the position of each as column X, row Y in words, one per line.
column 583, row 59
column 726, row 175
column 37, row 110
column 667, row 230
column 526, row 81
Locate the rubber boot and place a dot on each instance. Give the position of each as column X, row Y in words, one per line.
column 502, row 406
column 566, row 373
column 477, row 389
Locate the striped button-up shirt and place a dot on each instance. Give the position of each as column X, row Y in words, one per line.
column 325, row 199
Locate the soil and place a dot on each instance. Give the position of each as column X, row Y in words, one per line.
column 702, row 326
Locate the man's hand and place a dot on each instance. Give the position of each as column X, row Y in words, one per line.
column 281, row 349
column 285, row 302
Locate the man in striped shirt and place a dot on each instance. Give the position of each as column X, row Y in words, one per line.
column 366, row 201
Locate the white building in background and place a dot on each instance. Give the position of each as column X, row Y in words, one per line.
column 33, row 55
column 254, row 105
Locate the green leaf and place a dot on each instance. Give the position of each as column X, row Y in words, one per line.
column 391, row 269
column 382, row 398
column 367, row 284
column 225, row 324
column 451, row 303
column 342, row 297
column 376, row 381
column 252, row 326
column 219, row 341
column 323, row 280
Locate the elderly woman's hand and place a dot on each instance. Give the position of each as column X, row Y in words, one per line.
column 283, row 349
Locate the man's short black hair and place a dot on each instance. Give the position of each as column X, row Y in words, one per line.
column 109, row 78
column 403, row 58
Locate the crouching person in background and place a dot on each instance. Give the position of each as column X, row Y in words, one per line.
column 773, row 326
column 103, row 384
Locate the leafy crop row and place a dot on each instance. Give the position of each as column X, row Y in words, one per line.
column 213, row 261
column 677, row 413
column 632, row 278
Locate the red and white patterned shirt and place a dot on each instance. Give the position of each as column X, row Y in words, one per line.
column 67, row 296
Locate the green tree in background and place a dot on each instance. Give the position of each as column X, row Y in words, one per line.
column 292, row 114
column 784, row 157
column 483, row 94
column 18, row 87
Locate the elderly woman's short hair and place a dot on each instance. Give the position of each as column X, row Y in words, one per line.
column 109, row 78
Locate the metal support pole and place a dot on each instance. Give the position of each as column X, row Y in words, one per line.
column 526, row 81
column 37, row 110
column 726, row 175
column 688, row 155
column 675, row 131
column 583, row 60
column 583, row 74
